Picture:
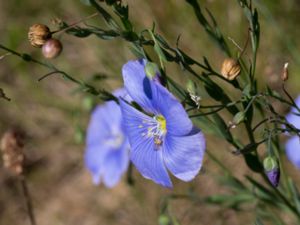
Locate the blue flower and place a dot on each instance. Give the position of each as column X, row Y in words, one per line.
column 292, row 146
column 162, row 137
column 107, row 147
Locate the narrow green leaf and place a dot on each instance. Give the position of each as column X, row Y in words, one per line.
column 253, row 162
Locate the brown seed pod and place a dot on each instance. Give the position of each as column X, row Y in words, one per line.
column 230, row 68
column 52, row 48
column 38, row 34
column 285, row 72
column 11, row 146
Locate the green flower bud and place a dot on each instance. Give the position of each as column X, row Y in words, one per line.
column 270, row 163
column 191, row 87
column 238, row 118
column 151, row 70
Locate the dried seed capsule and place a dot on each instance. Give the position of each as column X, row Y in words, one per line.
column 52, row 48
column 12, row 151
column 285, row 72
column 38, row 34
column 230, row 68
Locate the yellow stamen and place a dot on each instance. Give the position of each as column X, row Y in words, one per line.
column 162, row 123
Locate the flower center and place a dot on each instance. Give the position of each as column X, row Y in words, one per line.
column 157, row 129
column 161, row 123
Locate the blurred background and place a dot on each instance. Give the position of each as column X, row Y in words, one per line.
column 54, row 115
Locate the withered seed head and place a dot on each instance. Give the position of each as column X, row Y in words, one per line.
column 285, row 72
column 11, row 146
column 38, row 34
column 52, row 48
column 230, row 68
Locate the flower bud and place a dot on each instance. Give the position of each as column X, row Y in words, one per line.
column 52, row 48
column 191, row 87
column 152, row 72
column 11, row 146
column 239, row 117
column 272, row 170
column 230, row 68
column 38, row 34
column 285, row 73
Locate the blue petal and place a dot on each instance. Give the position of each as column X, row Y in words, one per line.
column 183, row 155
column 103, row 119
column 297, row 102
column 144, row 154
column 149, row 162
column 115, row 164
column 98, row 127
column 137, row 84
column 112, row 114
column 292, row 148
column 93, row 158
column 122, row 93
column 292, row 118
column 273, row 176
column 178, row 122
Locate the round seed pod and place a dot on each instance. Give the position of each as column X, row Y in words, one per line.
column 38, row 34
column 52, row 48
column 230, row 68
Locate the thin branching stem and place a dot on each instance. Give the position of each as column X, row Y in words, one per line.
column 28, row 200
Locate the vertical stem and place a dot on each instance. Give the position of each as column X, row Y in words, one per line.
column 28, row 200
column 249, row 132
column 130, row 179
